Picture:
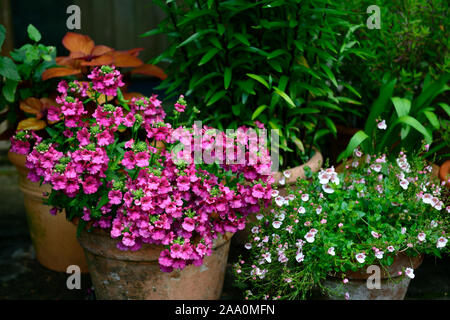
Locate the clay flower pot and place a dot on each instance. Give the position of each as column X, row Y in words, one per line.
column 54, row 238
column 315, row 163
column 394, row 289
column 118, row 275
column 444, row 172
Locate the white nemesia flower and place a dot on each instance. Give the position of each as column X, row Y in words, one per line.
column 248, row 246
column 305, row 197
column 403, row 230
column 259, row 216
column 301, row 210
column 276, row 224
column 390, row 249
column 426, row 198
column 421, row 236
column 331, row 251
column 275, row 193
column 375, row 234
column 313, row 231
column 410, row 272
column 319, row 210
column 290, row 197
column 255, row 230
column 404, row 184
column 300, row 257
column 433, row 224
column 441, row 242
column 287, row 174
column 327, row 188
column 282, row 181
column 360, row 257
column 382, row 125
column 379, row 254
column 280, row 201
column 310, row 237
column 280, row 216
column 376, row 167
column 267, row 257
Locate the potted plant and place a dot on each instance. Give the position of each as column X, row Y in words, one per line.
column 252, row 63
column 25, row 101
column 333, row 231
column 147, row 214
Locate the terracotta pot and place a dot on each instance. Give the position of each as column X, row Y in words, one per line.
column 393, row 286
column 444, row 172
column 54, row 238
column 315, row 163
column 118, row 275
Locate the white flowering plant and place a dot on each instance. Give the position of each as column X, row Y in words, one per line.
column 336, row 222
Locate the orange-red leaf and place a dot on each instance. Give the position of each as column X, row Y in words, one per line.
column 101, row 50
column 130, row 95
column 126, row 60
column 150, row 70
column 31, row 105
column 99, row 61
column 75, row 42
column 134, row 52
column 59, row 72
column 31, row 124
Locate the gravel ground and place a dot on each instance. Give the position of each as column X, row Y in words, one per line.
column 22, row 277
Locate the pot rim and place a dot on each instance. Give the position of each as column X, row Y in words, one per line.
column 317, row 158
column 98, row 242
column 401, row 260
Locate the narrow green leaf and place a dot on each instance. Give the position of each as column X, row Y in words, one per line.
column 227, row 77
column 258, row 111
column 433, row 119
column 208, row 56
column 284, row 96
column 330, row 74
column 402, row 106
column 355, row 141
column 217, row 96
column 259, row 79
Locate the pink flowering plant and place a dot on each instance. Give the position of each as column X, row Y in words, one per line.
column 334, row 223
column 129, row 168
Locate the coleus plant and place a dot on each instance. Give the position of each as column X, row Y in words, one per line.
column 119, row 168
column 84, row 55
column 334, row 223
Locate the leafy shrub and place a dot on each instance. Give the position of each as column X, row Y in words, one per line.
column 274, row 61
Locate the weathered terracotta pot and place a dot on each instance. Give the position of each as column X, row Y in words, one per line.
column 391, row 289
column 315, row 163
column 444, row 172
column 118, row 275
column 54, row 238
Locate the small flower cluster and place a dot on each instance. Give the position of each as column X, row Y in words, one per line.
column 118, row 168
column 345, row 220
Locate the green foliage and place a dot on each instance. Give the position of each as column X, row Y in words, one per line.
column 322, row 224
column 409, row 120
column 413, row 42
column 21, row 73
column 275, row 61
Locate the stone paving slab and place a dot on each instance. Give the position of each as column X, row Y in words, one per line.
column 22, row 277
